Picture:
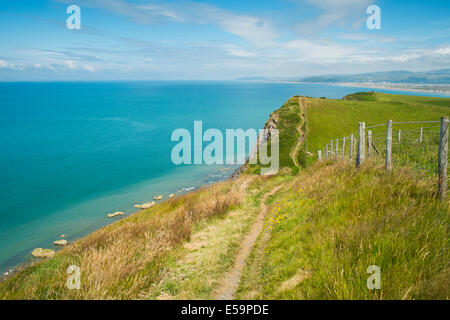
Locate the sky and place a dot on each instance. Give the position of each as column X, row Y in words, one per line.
column 218, row 39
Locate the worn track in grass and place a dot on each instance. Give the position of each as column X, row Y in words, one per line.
column 228, row 286
column 294, row 154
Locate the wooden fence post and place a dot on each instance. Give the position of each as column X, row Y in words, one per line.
column 389, row 146
column 369, row 143
column 361, row 145
column 351, row 146
column 331, row 150
column 337, row 150
column 421, row 134
column 319, row 155
column 343, row 148
column 399, row 135
column 443, row 158
column 326, row 154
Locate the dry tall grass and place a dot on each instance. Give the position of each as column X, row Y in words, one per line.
column 122, row 261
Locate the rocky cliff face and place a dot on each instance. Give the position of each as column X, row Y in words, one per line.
column 271, row 123
column 263, row 137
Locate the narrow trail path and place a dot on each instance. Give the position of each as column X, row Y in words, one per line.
column 302, row 105
column 228, row 286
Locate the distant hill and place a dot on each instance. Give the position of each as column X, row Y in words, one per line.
column 441, row 76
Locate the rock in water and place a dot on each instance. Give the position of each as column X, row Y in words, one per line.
column 42, row 253
column 60, row 242
column 171, row 195
column 158, row 198
column 147, row 205
column 115, row 214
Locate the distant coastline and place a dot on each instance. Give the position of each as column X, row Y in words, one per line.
column 407, row 87
column 426, row 88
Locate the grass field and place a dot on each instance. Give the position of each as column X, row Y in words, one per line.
column 327, row 224
column 332, row 119
column 335, row 221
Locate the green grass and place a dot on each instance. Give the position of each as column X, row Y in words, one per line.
column 344, row 219
column 195, row 269
column 336, row 221
column 288, row 117
column 124, row 260
column 331, row 119
column 328, row 223
column 289, row 120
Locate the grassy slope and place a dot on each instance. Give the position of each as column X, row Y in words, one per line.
column 317, row 246
column 335, row 221
column 343, row 220
column 289, row 119
column 331, row 119
column 201, row 262
column 125, row 260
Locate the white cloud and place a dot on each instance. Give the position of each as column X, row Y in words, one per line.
column 336, row 12
column 269, row 48
column 160, row 10
column 366, row 37
column 317, row 51
column 404, row 57
column 89, row 68
column 330, row 4
column 255, row 30
column 237, row 52
column 6, row 65
column 70, row 64
column 442, row 51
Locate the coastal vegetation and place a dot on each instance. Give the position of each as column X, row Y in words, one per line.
column 324, row 224
column 334, row 221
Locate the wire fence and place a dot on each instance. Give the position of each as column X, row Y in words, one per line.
column 421, row 145
column 417, row 148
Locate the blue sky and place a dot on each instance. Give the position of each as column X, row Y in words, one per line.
column 216, row 39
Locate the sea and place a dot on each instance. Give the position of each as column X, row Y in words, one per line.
column 72, row 152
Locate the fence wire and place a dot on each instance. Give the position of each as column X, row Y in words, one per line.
column 409, row 149
column 414, row 144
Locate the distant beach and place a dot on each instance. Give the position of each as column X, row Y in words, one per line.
column 435, row 89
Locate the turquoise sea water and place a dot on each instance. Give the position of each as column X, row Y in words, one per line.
column 72, row 152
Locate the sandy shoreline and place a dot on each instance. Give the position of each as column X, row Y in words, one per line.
column 388, row 86
column 396, row 87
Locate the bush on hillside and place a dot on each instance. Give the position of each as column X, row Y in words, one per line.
column 361, row 96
